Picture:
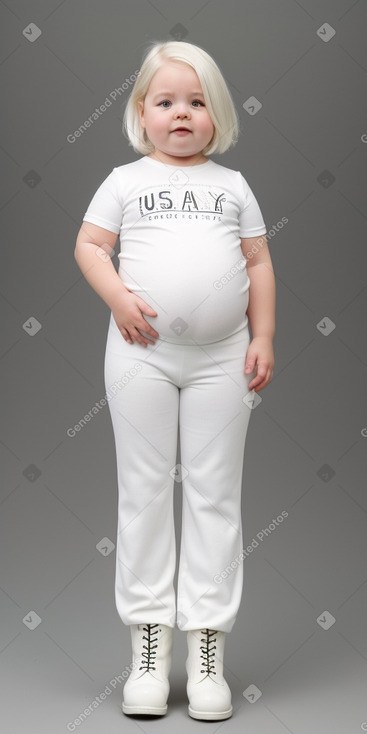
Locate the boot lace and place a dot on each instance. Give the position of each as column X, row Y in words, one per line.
column 207, row 649
column 148, row 661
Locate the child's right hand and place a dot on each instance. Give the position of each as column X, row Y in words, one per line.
column 128, row 312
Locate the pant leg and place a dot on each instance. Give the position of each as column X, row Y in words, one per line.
column 213, row 426
column 144, row 414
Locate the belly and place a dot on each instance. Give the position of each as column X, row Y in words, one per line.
column 198, row 300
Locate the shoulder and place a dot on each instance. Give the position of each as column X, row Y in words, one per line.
column 232, row 179
column 128, row 168
column 226, row 172
column 222, row 170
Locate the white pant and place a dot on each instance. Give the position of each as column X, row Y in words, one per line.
column 152, row 391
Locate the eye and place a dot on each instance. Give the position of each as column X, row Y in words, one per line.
column 194, row 102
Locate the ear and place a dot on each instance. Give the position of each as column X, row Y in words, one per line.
column 141, row 113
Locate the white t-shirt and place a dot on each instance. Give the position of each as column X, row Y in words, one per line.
column 180, row 248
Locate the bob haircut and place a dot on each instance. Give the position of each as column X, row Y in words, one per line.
column 217, row 97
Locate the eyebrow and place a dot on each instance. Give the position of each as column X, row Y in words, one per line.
column 171, row 94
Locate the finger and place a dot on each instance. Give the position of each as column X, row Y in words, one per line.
column 131, row 336
column 149, row 329
column 250, row 365
column 254, row 386
column 144, row 340
column 264, row 382
column 145, row 308
column 260, row 375
column 126, row 335
column 261, row 380
column 254, row 383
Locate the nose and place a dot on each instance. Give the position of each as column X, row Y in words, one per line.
column 182, row 110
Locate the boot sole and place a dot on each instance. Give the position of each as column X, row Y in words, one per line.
column 149, row 710
column 210, row 715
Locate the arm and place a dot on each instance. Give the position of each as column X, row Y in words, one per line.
column 93, row 251
column 261, row 310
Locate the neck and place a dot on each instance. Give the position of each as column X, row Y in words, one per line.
column 176, row 160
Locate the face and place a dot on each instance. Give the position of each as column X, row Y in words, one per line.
column 175, row 99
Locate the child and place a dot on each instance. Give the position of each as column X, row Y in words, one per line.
column 178, row 355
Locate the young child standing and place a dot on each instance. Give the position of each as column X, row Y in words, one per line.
column 179, row 356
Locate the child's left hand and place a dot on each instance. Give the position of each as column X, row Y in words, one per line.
column 261, row 352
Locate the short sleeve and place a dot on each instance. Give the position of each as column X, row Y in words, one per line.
column 250, row 218
column 105, row 209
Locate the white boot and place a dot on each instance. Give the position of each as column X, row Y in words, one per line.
column 147, row 687
column 208, row 692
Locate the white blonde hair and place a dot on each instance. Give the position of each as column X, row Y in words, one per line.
column 217, row 97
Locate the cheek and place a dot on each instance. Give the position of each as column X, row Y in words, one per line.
column 158, row 123
column 208, row 127
column 206, row 124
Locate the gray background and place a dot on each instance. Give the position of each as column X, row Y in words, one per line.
column 304, row 155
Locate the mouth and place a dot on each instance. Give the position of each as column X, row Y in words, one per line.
column 181, row 129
